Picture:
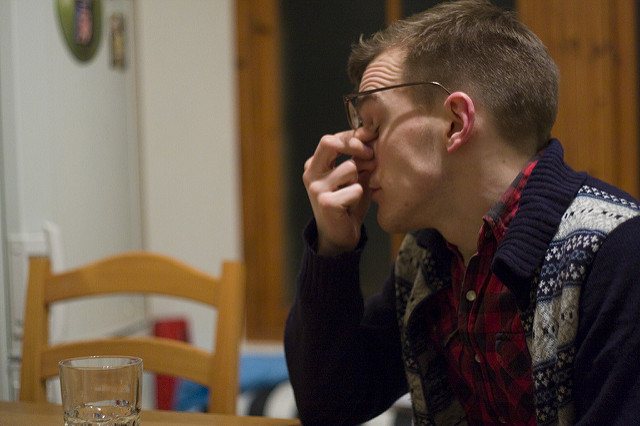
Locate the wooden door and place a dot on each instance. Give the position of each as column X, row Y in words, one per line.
column 594, row 43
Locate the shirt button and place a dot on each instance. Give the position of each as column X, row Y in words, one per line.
column 502, row 420
column 471, row 295
column 477, row 358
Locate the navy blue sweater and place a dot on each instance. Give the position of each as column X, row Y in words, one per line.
column 344, row 355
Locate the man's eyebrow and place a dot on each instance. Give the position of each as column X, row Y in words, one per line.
column 371, row 97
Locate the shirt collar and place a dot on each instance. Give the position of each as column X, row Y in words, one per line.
column 499, row 217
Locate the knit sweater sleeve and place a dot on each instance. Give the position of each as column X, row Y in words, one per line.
column 343, row 355
column 607, row 365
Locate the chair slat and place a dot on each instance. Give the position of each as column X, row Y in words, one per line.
column 144, row 273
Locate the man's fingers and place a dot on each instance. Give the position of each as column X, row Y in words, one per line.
column 333, row 146
column 343, row 175
column 342, row 200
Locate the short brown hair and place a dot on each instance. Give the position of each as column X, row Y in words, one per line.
column 478, row 48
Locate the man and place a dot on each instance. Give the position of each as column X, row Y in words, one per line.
column 514, row 296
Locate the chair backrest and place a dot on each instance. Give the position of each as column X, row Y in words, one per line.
column 143, row 273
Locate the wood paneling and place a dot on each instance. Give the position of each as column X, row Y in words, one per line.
column 594, row 44
column 260, row 104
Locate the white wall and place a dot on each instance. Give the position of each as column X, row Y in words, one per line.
column 69, row 156
column 188, row 138
column 68, row 137
column 74, row 134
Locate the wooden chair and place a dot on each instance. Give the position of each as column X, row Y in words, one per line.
column 138, row 272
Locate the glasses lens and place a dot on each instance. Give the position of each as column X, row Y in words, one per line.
column 354, row 117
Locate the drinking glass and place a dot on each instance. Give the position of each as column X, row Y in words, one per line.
column 101, row 390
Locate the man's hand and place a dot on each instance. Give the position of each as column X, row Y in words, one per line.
column 339, row 194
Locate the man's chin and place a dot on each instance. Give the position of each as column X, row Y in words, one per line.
column 389, row 224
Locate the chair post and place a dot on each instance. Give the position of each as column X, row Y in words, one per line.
column 36, row 331
column 229, row 328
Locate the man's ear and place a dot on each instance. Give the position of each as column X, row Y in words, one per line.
column 462, row 117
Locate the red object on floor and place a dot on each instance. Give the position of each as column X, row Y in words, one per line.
column 165, row 385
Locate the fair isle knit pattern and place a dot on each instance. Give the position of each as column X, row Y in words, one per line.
column 584, row 226
column 550, row 325
column 418, row 275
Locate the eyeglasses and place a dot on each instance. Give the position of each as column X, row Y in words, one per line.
column 351, row 104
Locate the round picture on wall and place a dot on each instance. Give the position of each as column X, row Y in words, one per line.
column 81, row 23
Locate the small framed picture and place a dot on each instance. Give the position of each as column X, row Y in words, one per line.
column 117, row 40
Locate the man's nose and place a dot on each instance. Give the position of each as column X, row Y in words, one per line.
column 365, row 165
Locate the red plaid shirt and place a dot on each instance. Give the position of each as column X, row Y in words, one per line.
column 476, row 326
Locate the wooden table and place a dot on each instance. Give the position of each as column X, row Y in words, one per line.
column 44, row 414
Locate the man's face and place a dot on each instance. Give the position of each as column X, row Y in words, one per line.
column 408, row 181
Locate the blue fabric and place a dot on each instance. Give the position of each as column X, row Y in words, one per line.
column 190, row 396
column 257, row 371
column 262, row 370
